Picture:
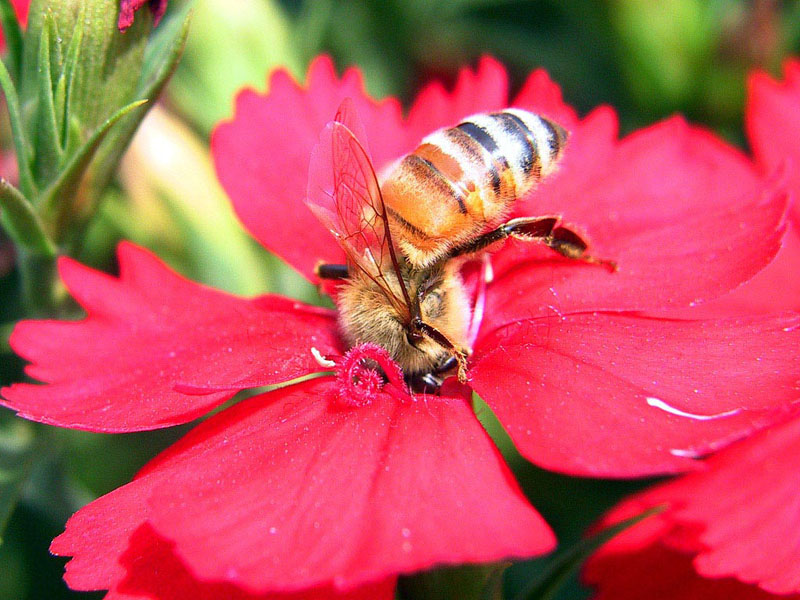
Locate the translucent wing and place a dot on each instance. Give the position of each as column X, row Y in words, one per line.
column 344, row 194
column 348, row 116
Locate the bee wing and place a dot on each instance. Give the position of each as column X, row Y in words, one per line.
column 344, row 194
column 347, row 115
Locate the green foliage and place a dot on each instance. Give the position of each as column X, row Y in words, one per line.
column 19, row 450
column 467, row 582
column 73, row 106
column 21, row 221
column 227, row 50
column 567, row 562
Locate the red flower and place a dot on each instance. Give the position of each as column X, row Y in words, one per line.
column 773, row 128
column 21, row 8
column 128, row 7
column 739, row 519
column 302, row 489
column 773, row 125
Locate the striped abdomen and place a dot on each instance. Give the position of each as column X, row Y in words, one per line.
column 462, row 179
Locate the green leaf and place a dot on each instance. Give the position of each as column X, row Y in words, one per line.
column 462, row 582
column 71, row 66
column 110, row 63
column 164, row 51
column 19, row 450
column 5, row 334
column 21, row 222
column 153, row 77
column 13, row 35
column 493, row 588
column 59, row 198
column 48, row 143
column 566, row 563
column 21, row 147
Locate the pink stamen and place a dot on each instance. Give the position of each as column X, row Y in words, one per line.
column 360, row 383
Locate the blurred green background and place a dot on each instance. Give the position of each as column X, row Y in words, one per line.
column 647, row 59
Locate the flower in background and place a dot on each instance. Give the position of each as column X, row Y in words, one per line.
column 8, row 163
column 733, row 529
column 21, row 10
column 127, row 8
column 304, row 492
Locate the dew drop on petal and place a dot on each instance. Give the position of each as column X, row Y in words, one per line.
column 660, row 404
column 683, row 453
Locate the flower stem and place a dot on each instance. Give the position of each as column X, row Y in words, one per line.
column 43, row 294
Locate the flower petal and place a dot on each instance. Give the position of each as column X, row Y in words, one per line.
column 685, row 217
column 262, row 157
column 621, row 395
column 660, row 573
column 481, row 90
column 292, row 490
column 774, row 289
column 147, row 333
column 155, row 572
column 772, row 121
column 119, row 551
column 542, row 95
column 746, row 500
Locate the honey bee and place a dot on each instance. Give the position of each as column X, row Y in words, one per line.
column 404, row 237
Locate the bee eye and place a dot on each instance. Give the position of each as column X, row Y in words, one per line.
column 432, row 304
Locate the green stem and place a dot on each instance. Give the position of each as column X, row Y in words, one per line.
column 43, row 294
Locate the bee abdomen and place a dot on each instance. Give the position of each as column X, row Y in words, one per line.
column 462, row 179
column 507, row 151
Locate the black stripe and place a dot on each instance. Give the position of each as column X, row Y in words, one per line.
column 484, row 139
column 482, row 136
column 465, row 142
column 445, row 186
column 515, row 127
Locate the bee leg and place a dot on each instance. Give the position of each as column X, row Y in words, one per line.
column 328, row 271
column 459, row 360
column 556, row 236
column 546, row 230
column 450, row 362
column 426, row 383
column 431, row 382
